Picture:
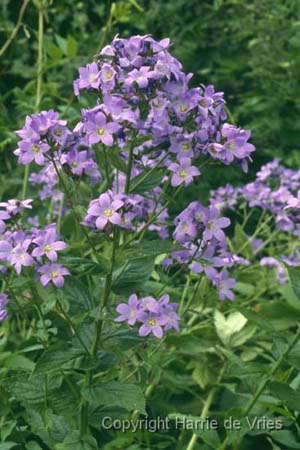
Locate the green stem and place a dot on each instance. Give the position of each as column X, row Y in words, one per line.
column 16, row 29
column 129, row 168
column 39, row 82
column 106, row 292
column 206, row 408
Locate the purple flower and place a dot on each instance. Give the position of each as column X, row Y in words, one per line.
column 107, row 76
column 140, row 77
column 104, row 210
column 5, row 251
column 48, row 245
column 225, row 285
column 152, row 323
column 99, row 130
column 156, row 316
column 53, row 272
column 20, row 256
column 128, row 312
column 214, row 225
column 169, row 311
column 15, row 207
column 294, row 202
column 32, row 151
column 89, row 77
column 184, row 173
column 3, row 302
column 3, row 216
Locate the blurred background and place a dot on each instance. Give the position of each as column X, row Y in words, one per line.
column 250, row 49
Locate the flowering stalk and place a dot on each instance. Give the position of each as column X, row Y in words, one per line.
column 39, row 81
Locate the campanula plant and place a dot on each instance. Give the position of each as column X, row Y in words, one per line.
column 118, row 292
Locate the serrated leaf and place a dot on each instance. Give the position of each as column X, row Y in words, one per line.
column 132, row 275
column 56, row 358
column 115, row 393
column 286, row 394
column 19, row 362
column 77, row 441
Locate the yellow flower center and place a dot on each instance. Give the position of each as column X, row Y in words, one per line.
column 108, row 75
column 231, row 145
column 74, row 164
column 100, row 131
column 54, row 274
column 47, row 248
column 185, row 146
column 108, row 212
column 152, row 322
column 36, row 148
column 183, row 108
column 182, row 173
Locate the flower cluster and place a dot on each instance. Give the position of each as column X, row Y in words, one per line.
column 155, row 316
column 126, row 211
column 276, row 190
column 31, row 248
column 200, row 230
column 47, row 141
column 143, row 93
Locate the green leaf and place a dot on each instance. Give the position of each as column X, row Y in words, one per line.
column 75, row 441
column 7, row 445
column 286, row 394
column 115, row 159
column 62, row 43
column 286, row 438
column 294, row 275
column 32, row 445
column 77, row 295
column 115, row 393
column 146, row 181
column 132, row 275
column 229, row 327
column 58, row 358
column 242, row 241
column 71, row 46
column 19, row 362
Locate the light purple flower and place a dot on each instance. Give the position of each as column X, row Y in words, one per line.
column 184, row 172
column 99, row 130
column 224, row 285
column 89, row 77
column 21, row 257
column 48, row 245
column 214, row 225
column 104, row 210
column 128, row 312
column 152, row 323
column 32, row 151
column 53, row 272
column 14, row 206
